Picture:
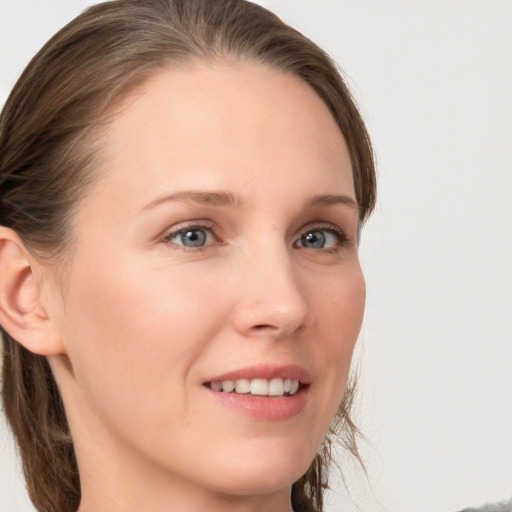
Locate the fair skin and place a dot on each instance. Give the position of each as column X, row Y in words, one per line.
column 219, row 243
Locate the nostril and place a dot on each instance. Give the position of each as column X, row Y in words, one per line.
column 263, row 327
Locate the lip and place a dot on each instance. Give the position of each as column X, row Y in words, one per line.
column 264, row 408
column 266, row 371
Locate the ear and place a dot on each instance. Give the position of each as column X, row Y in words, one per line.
column 22, row 313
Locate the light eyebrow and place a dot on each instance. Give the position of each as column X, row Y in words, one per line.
column 331, row 199
column 209, row 198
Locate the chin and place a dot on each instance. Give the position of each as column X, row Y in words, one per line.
column 267, row 471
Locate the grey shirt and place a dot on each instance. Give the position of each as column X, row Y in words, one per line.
column 502, row 506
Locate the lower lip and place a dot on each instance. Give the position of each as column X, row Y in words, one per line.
column 263, row 407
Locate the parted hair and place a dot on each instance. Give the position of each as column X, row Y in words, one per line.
column 48, row 159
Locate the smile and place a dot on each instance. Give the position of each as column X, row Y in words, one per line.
column 265, row 392
column 276, row 387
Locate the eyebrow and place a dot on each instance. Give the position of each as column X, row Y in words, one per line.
column 228, row 199
column 198, row 196
column 332, row 199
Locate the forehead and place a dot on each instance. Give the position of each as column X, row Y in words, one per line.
column 243, row 119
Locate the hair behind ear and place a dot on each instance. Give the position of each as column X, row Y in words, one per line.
column 34, row 409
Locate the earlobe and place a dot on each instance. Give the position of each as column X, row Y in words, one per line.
column 22, row 314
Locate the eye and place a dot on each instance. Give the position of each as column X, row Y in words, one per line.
column 325, row 238
column 193, row 237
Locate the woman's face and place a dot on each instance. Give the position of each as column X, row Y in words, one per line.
column 217, row 249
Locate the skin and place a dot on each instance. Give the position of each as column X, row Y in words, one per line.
column 143, row 320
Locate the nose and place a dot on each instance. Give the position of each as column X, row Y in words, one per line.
column 272, row 300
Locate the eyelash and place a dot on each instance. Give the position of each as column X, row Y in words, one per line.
column 342, row 239
column 209, row 227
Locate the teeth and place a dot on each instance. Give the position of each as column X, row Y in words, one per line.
column 276, row 387
column 242, row 386
column 216, row 386
column 258, row 387
column 228, row 386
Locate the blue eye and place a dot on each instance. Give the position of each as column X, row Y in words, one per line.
column 192, row 237
column 320, row 239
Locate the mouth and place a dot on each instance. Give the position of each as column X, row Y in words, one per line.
column 276, row 387
column 263, row 392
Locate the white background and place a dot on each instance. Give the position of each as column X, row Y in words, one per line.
column 434, row 78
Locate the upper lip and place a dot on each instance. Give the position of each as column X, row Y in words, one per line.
column 265, row 371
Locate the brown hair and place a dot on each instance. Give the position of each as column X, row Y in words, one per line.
column 47, row 159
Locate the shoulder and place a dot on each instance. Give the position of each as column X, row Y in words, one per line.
column 502, row 506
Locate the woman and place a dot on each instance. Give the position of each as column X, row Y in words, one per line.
column 183, row 185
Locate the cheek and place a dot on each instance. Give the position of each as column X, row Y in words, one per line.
column 136, row 333
column 338, row 307
column 338, row 318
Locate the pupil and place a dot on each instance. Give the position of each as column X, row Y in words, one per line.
column 193, row 238
column 316, row 239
